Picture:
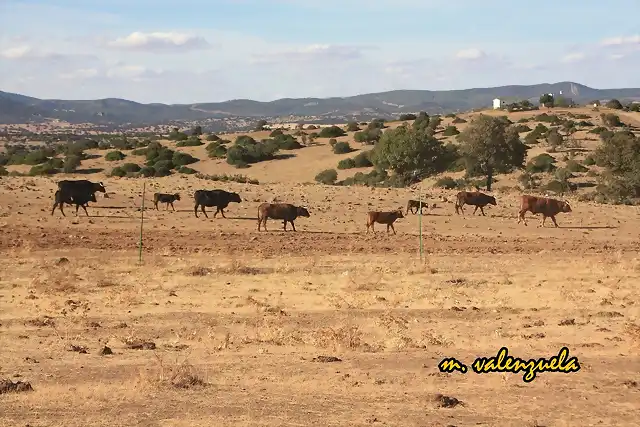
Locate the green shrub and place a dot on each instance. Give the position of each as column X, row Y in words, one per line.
column 563, row 174
column 346, row 164
column 130, row 167
column 450, row 131
column 181, row 159
column 286, row 142
column 342, row 148
column 215, row 150
column 327, row 176
column 113, row 156
column 36, row 157
column 557, row 187
column 333, row 142
column 574, row 166
column 405, row 117
column 520, row 128
column 362, row 160
column 71, row 163
column 191, row 142
column 458, row 120
column 331, row 132
column 3, row 171
column 147, row 171
column 139, row 152
column 213, row 137
column 187, row 170
column 118, row 171
column 589, row 160
column 541, row 163
column 246, row 151
column 352, row 127
column 598, row 130
column 446, row 182
column 275, row 132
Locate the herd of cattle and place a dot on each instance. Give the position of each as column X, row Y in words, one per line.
column 81, row 192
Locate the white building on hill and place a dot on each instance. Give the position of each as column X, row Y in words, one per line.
column 498, row 104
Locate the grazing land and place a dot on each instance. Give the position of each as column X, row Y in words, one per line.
column 222, row 324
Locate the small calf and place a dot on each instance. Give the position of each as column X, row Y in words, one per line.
column 387, row 218
column 165, row 198
column 415, row 204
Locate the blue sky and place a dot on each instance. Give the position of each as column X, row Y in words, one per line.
column 204, row 51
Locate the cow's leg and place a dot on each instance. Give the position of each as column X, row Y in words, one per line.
column 284, row 223
column 172, row 207
column 85, row 210
column 155, row 203
column 264, row 223
column 553, row 218
column 521, row 217
column 392, row 227
column 204, row 211
column 77, row 207
column 55, row 205
column 62, row 210
column 475, row 210
column 293, row 225
column 544, row 218
column 482, row 210
column 222, row 212
column 195, row 210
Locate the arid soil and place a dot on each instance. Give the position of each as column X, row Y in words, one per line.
column 225, row 325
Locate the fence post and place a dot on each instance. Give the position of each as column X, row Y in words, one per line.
column 420, row 220
column 144, row 184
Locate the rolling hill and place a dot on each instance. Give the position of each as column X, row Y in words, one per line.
column 15, row 108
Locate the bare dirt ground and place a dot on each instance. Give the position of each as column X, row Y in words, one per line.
column 225, row 325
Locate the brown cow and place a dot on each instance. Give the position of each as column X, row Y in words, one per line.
column 387, row 218
column 284, row 211
column 473, row 198
column 546, row 206
column 415, row 204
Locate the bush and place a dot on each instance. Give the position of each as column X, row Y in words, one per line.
column 563, row 174
column 130, row 167
column 614, row 104
column 275, row 132
column 327, row 176
column 186, row 170
column 139, row 152
column 520, row 128
column 3, row 171
column 352, row 127
column 589, row 160
column 362, row 160
column 448, row 183
column 181, row 159
column 574, row 166
column 331, row 132
column 118, row 171
column 346, row 164
column 246, row 151
column 215, row 150
column 286, row 142
column 557, row 187
column 43, row 169
column 541, row 163
column 598, row 130
column 71, row 163
column 368, row 136
column 213, row 137
column 405, row 117
column 35, row 157
column 528, row 181
column 191, row 142
column 147, row 171
column 450, row 131
column 333, row 142
column 611, row 120
column 113, row 156
column 342, row 148
column 458, row 120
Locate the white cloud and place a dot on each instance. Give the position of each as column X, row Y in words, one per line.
column 16, row 52
column 160, row 42
column 132, row 72
column 471, row 53
column 314, row 52
column 619, row 41
column 82, row 73
column 573, row 57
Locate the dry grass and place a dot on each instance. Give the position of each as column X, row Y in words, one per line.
column 225, row 325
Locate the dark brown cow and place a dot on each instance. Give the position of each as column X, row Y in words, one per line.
column 415, row 204
column 544, row 205
column 165, row 198
column 387, row 218
column 284, row 211
column 473, row 198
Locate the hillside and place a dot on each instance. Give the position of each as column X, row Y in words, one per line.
column 16, row 108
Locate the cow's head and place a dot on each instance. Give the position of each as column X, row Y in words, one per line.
column 177, row 196
column 399, row 213
column 302, row 212
column 492, row 201
column 235, row 197
column 565, row 207
column 99, row 187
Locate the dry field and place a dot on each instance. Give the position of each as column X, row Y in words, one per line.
column 224, row 325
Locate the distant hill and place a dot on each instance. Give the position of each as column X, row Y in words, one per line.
column 15, row 108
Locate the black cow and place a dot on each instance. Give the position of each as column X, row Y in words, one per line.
column 78, row 192
column 78, row 200
column 473, row 198
column 218, row 198
column 165, row 198
column 284, row 211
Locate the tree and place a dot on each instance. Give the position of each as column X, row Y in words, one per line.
column 352, row 127
column 407, row 150
column 547, row 100
column 614, row 104
column 491, row 146
column 260, row 125
column 620, row 155
column 197, row 130
column 554, row 139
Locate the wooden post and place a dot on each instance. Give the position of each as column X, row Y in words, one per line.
column 144, row 184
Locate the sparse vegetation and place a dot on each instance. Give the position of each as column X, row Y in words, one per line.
column 114, row 156
column 327, row 176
